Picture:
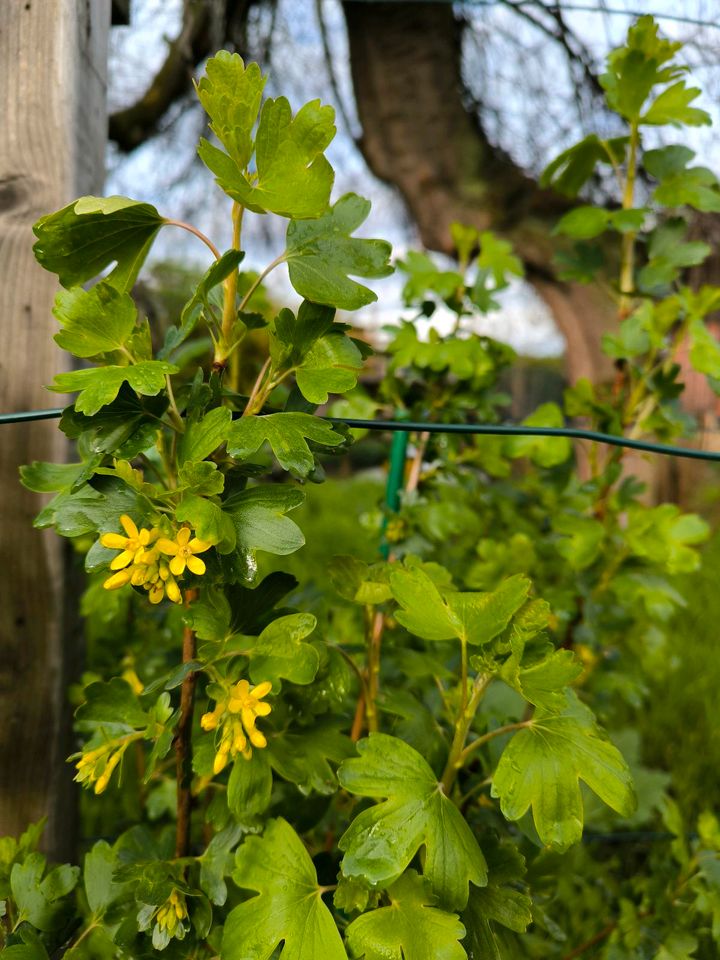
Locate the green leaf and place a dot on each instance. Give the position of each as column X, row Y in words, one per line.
column 425, row 277
column 216, row 862
column 293, row 178
column 543, row 683
column 541, row 768
column 583, row 223
column 666, row 536
column 411, row 928
column 304, row 758
column 193, row 309
column 203, row 437
column 475, row 617
column 582, row 264
column 496, row 258
column 322, row 256
column 90, row 510
column 289, row 906
column 79, row 241
column 581, row 540
column 25, row 951
column 94, row 321
column 124, row 427
column 202, row 478
column 287, row 434
column 465, row 239
column 209, row 521
column 250, row 789
column 544, row 451
column 668, row 254
column 382, row 840
column 37, row 899
column 704, row 350
column 100, row 888
column 42, row 477
column 230, row 94
column 673, row 106
column 638, row 66
column 324, row 358
column 667, row 161
column 279, row 651
column 358, row 581
column 60, row 881
column 678, row 946
column 679, row 184
column 99, row 386
column 500, row 902
column 112, row 702
column 332, row 365
column 258, row 514
column 571, row 170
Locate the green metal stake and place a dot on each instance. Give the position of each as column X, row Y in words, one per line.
column 396, row 474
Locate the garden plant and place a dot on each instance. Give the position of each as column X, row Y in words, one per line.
column 403, row 755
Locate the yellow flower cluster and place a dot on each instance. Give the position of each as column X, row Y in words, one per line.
column 171, row 914
column 142, row 560
column 234, row 718
column 97, row 766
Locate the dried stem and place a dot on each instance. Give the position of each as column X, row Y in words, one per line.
column 416, row 465
column 375, row 628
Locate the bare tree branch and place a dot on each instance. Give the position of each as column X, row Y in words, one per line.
column 204, row 22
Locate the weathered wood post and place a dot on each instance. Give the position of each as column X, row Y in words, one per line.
column 53, row 56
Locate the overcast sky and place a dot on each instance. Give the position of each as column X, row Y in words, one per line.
column 502, row 55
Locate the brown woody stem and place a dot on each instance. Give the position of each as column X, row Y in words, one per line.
column 183, row 744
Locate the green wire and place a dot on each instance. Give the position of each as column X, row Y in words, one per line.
column 485, row 429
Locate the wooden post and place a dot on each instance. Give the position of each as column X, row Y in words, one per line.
column 53, row 56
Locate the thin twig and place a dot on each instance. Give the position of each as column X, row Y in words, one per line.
column 198, row 233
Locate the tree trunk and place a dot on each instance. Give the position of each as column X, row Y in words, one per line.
column 53, row 57
column 419, row 135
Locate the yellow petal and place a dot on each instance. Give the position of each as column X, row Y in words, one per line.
column 248, row 718
column 263, row 709
column 177, row 565
column 114, row 541
column 183, row 535
column 156, row 593
column 167, row 546
column 196, row 565
column 209, row 721
column 117, row 580
column 199, row 546
column 173, row 591
column 234, row 705
column 261, row 690
column 242, row 689
column 257, row 739
column 221, row 761
column 129, row 527
column 122, row 560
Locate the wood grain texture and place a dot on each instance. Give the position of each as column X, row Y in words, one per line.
column 53, row 57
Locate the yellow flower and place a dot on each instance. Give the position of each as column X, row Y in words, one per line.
column 132, row 546
column 182, row 550
column 171, row 914
column 234, row 718
column 97, row 766
column 159, row 582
